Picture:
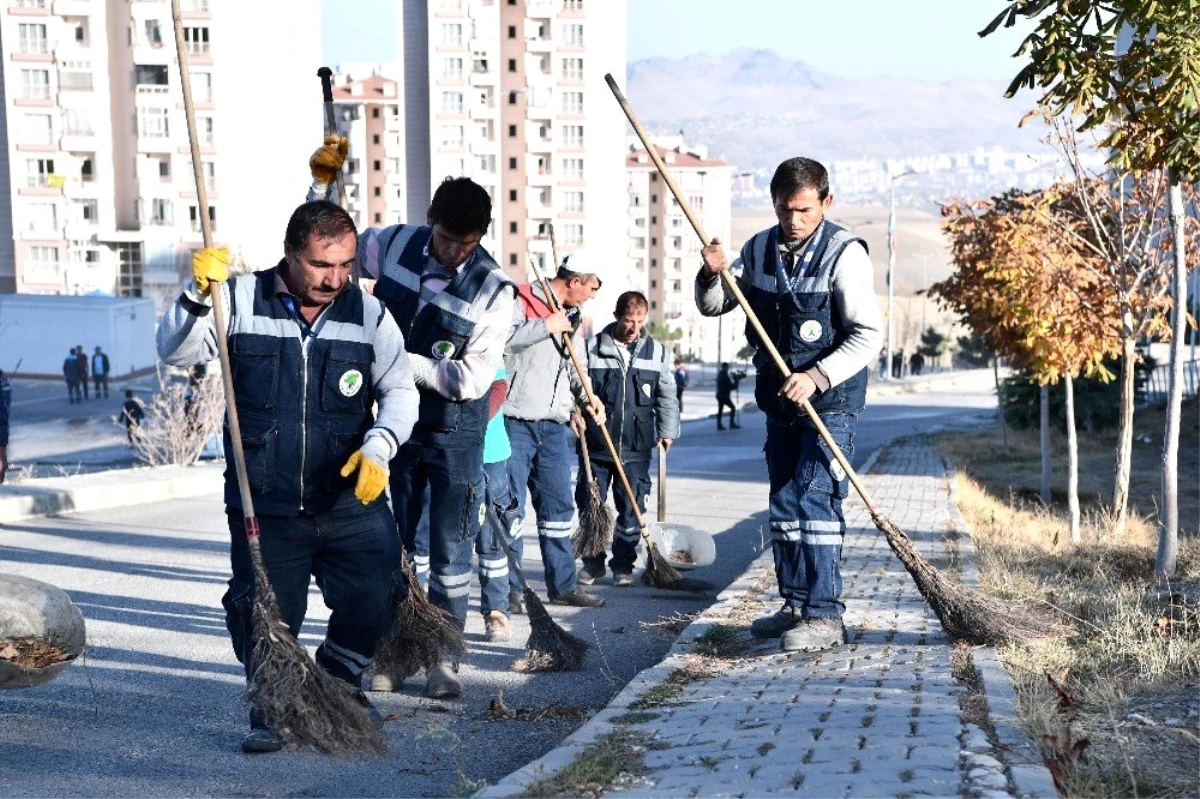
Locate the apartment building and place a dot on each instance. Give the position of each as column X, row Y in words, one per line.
column 511, row 93
column 96, row 184
column 664, row 250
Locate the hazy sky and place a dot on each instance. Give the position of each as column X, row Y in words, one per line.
column 926, row 39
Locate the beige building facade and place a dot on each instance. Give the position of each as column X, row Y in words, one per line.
column 96, row 185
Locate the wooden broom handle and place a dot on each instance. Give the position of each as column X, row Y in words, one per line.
column 214, row 293
column 552, row 301
column 732, row 286
column 662, row 482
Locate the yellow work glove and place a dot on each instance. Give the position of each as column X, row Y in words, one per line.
column 210, row 265
column 326, row 161
column 372, row 478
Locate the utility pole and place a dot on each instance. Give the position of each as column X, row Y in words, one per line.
column 891, row 242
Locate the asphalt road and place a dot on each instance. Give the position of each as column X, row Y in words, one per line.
column 155, row 709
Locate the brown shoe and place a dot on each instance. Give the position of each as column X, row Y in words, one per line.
column 578, row 599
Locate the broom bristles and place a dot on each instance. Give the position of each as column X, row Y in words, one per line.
column 422, row 635
column 594, row 534
column 965, row 614
column 659, row 573
column 298, row 699
column 550, row 648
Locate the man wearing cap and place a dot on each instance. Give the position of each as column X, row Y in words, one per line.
column 543, row 390
column 810, row 282
column 455, row 306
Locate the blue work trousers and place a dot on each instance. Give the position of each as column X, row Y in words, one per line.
column 807, row 525
column 541, row 461
column 493, row 534
column 454, row 478
column 350, row 550
column 627, row 532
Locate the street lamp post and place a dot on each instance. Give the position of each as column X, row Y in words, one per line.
column 891, row 242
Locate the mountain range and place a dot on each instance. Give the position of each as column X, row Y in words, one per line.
column 754, row 108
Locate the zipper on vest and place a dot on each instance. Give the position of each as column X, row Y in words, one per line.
column 303, row 414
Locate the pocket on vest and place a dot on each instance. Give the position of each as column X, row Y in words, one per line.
column 259, row 443
column 255, row 364
column 344, row 385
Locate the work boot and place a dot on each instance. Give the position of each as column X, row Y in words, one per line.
column 377, row 718
column 385, row 683
column 589, row 575
column 496, row 627
column 777, row 623
column 578, row 599
column 516, row 603
column 441, row 681
column 261, row 741
column 813, row 634
column 622, row 579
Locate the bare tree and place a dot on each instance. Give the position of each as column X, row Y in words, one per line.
column 179, row 419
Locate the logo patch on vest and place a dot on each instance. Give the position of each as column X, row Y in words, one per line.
column 810, row 331
column 646, row 389
column 442, row 349
column 350, row 383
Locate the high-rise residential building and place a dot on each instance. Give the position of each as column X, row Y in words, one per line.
column 511, row 93
column 664, row 251
column 96, row 183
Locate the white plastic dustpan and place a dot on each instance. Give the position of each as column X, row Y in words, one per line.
column 684, row 547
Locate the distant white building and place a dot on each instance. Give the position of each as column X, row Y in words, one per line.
column 664, row 250
column 95, row 168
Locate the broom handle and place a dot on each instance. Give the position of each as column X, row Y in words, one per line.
column 587, row 459
column 218, row 302
column 662, row 483
column 326, row 76
column 732, row 286
column 591, row 398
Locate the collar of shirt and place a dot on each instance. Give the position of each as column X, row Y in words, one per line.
column 292, row 303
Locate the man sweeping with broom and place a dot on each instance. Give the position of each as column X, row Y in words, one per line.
column 812, row 285
column 631, row 375
column 310, row 355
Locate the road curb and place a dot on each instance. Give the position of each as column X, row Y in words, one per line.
column 51, row 496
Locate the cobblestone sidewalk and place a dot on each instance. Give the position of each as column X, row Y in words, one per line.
column 880, row 716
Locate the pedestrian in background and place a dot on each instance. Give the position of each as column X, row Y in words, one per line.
column 100, row 372
column 72, row 375
column 631, row 376
column 811, row 282
column 131, row 414
column 726, row 384
column 681, row 382
column 83, row 370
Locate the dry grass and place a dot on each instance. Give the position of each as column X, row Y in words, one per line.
column 1100, row 700
column 179, row 420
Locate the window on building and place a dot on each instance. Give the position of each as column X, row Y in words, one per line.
column 196, row 39
column 572, row 68
column 164, row 169
column 202, row 87
column 512, row 259
column 572, row 233
column 653, row 284
column 374, row 112
column 653, row 262
column 81, row 31
column 153, row 123
column 32, row 38
column 572, row 135
column 512, row 195
column 452, row 103
column 487, row 163
column 512, row 31
column 42, row 265
column 452, row 34
column 653, row 220
column 452, row 136
column 378, row 218
column 87, row 169
column 543, row 165
column 512, row 131
column 204, row 129
column 572, row 102
column 41, row 217
column 479, row 61
column 75, row 76
column 573, row 34
column 76, row 122
column 38, row 172
column 654, row 241
column 639, row 243
column 38, row 129
column 452, row 68
column 378, row 191
column 154, row 33
column 512, row 227
column 512, row 65
column 375, row 139
column 377, row 165
column 572, row 5
column 162, row 212
column 194, row 217
column 573, row 202
column 35, row 84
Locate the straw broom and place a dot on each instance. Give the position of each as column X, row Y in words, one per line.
column 966, row 615
column 658, row 573
column 297, row 698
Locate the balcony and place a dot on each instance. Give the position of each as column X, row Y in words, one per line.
column 75, row 81
column 156, row 90
column 75, row 8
